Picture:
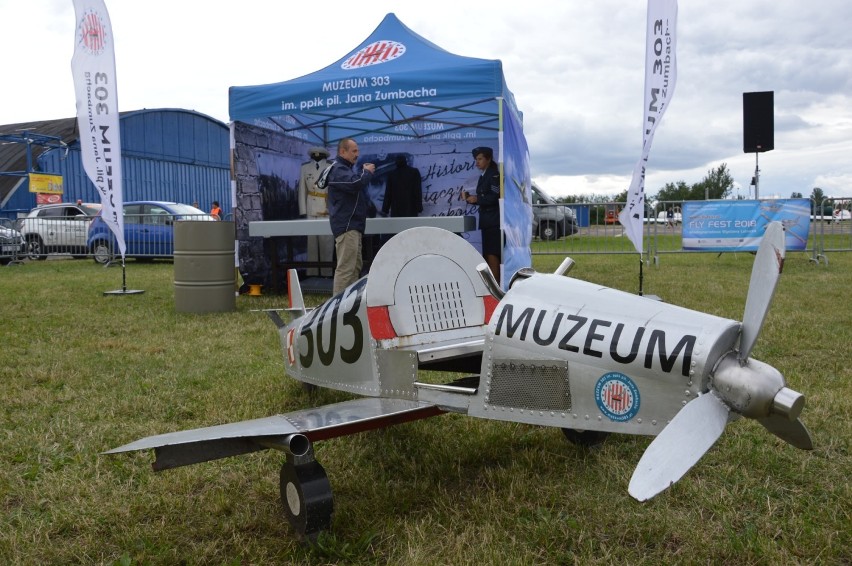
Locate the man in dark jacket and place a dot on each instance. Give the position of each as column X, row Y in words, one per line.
column 403, row 191
column 487, row 197
column 347, row 211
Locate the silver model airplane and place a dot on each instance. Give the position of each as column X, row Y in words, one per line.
column 551, row 351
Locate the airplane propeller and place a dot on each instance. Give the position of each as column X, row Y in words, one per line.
column 765, row 273
column 689, row 435
column 747, row 387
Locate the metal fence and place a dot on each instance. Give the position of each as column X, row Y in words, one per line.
column 146, row 236
column 599, row 232
column 12, row 244
column 594, row 229
column 832, row 227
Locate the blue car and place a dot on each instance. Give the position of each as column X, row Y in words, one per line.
column 148, row 230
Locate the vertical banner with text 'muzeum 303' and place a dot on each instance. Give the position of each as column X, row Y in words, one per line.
column 660, row 79
column 93, row 67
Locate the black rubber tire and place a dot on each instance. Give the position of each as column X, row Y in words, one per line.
column 586, row 438
column 306, row 497
column 102, row 252
column 547, row 231
column 35, row 248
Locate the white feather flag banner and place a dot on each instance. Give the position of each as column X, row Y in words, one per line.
column 660, row 79
column 93, row 67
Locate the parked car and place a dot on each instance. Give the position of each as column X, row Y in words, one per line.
column 550, row 219
column 148, row 230
column 57, row 228
column 12, row 243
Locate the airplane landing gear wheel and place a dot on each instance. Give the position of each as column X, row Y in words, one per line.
column 586, row 438
column 306, row 496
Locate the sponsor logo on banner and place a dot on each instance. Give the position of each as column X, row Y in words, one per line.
column 42, row 198
column 46, row 183
column 91, row 33
column 617, row 396
column 374, row 54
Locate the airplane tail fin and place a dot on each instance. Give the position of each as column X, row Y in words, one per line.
column 296, row 306
column 295, row 301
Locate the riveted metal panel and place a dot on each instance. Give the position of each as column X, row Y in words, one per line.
column 539, row 385
column 397, row 372
column 633, row 363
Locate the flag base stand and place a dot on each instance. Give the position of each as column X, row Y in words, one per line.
column 124, row 290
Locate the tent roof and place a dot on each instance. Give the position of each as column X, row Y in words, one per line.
column 393, row 78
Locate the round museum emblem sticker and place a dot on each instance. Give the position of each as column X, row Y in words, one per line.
column 617, row 396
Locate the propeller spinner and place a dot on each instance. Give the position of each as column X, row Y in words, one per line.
column 747, row 387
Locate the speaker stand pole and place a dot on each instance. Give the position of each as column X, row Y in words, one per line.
column 756, row 176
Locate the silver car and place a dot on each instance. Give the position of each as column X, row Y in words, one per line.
column 58, row 229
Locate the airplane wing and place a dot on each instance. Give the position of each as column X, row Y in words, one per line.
column 293, row 431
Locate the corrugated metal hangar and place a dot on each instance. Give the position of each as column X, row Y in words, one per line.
column 168, row 154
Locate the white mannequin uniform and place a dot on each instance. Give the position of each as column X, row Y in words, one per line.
column 313, row 204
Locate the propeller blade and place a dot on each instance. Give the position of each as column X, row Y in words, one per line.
column 689, row 435
column 764, row 277
column 792, row 432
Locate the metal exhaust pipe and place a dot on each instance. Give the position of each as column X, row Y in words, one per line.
column 297, row 444
column 490, row 281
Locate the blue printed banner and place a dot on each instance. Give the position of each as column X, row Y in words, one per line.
column 515, row 205
column 738, row 225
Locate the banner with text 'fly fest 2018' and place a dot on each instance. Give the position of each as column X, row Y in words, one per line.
column 93, row 67
column 660, row 79
column 738, row 225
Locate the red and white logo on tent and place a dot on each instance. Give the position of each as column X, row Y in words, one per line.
column 375, row 53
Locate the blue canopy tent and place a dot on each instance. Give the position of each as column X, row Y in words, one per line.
column 394, row 93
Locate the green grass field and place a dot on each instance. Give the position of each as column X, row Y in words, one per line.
column 82, row 373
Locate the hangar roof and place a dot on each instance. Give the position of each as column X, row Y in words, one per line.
column 40, row 135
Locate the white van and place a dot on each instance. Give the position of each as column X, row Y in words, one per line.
column 662, row 217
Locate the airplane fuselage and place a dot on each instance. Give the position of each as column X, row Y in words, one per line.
column 554, row 351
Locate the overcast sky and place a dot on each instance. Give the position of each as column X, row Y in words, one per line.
column 576, row 69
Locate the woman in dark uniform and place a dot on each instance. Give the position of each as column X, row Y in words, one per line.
column 487, row 197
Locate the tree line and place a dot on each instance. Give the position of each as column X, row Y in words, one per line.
column 717, row 184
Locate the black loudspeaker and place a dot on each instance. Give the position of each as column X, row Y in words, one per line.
column 758, row 121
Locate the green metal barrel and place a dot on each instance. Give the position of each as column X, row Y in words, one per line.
column 204, row 266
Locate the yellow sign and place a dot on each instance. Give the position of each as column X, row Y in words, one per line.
column 44, row 183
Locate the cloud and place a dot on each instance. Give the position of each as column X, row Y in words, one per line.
column 576, row 70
